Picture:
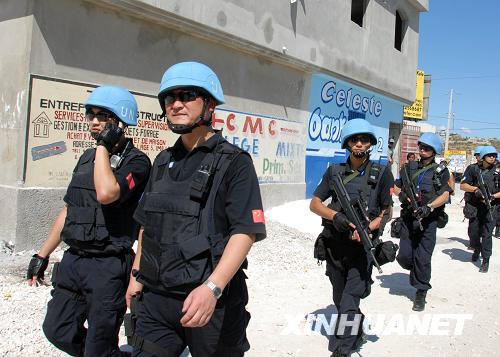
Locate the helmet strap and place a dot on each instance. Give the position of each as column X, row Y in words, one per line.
column 186, row 129
column 360, row 154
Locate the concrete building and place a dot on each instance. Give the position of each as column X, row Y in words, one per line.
column 293, row 73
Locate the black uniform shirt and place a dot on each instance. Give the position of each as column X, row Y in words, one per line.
column 238, row 204
column 386, row 182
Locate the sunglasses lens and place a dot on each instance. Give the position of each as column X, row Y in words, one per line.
column 364, row 139
column 183, row 96
column 101, row 116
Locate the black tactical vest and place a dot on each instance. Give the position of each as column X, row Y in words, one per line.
column 180, row 246
column 364, row 186
column 427, row 183
column 90, row 226
column 491, row 179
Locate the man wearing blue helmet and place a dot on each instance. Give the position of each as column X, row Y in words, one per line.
column 470, row 211
column 482, row 227
column 497, row 229
column 200, row 214
column 347, row 264
column 96, row 223
column 418, row 227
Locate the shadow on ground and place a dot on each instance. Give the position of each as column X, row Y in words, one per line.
column 465, row 242
column 398, row 284
column 458, row 254
column 324, row 320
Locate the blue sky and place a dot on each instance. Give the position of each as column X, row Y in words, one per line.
column 460, row 47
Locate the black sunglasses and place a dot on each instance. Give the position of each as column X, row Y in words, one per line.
column 425, row 147
column 363, row 138
column 101, row 116
column 184, row 96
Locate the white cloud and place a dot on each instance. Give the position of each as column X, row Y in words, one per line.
column 466, row 130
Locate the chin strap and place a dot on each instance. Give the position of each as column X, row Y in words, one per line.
column 185, row 129
column 361, row 154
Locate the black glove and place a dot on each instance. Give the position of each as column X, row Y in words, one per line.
column 423, row 212
column 110, row 136
column 403, row 197
column 37, row 267
column 340, row 222
column 478, row 194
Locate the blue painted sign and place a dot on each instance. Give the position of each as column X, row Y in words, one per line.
column 332, row 103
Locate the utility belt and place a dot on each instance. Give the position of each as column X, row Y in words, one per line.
column 438, row 215
column 182, row 291
column 110, row 251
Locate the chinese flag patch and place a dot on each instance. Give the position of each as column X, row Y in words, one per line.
column 258, row 216
column 130, row 181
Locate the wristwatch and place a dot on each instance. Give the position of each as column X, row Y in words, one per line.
column 215, row 289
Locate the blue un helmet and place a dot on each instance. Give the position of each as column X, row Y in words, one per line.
column 477, row 150
column 356, row 127
column 487, row 150
column 190, row 74
column 432, row 140
column 117, row 100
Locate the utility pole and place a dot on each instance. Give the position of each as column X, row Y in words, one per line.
column 449, row 122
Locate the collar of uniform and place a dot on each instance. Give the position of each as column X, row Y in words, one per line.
column 420, row 165
column 208, row 145
column 361, row 169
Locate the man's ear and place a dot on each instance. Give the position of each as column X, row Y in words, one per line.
column 210, row 108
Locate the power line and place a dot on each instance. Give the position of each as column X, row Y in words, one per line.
column 476, row 129
column 463, row 119
column 465, row 77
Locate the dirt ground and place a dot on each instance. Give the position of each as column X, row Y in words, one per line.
column 286, row 285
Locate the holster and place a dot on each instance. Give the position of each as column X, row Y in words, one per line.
column 442, row 219
column 130, row 319
column 396, row 227
column 320, row 248
column 53, row 277
column 469, row 211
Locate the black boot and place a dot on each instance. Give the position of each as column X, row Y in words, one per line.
column 337, row 353
column 419, row 303
column 484, row 266
column 475, row 255
column 497, row 232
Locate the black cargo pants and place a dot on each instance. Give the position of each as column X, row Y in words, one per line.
column 482, row 227
column 416, row 248
column 349, row 272
column 88, row 289
column 159, row 315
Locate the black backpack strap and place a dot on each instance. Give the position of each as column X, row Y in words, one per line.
column 339, row 169
column 225, row 154
column 373, row 175
column 422, row 170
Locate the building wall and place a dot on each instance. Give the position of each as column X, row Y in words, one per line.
column 264, row 53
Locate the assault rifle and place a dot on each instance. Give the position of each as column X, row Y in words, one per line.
column 355, row 212
column 409, row 190
column 486, row 193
